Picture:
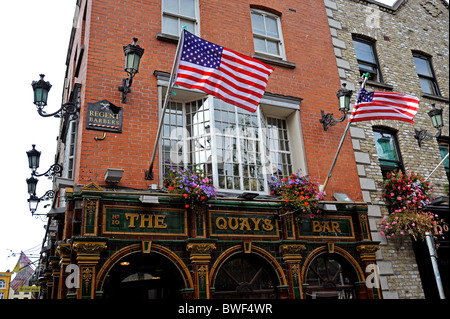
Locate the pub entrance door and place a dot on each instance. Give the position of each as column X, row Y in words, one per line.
column 143, row 276
column 330, row 276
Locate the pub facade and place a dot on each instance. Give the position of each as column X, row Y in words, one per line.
column 119, row 232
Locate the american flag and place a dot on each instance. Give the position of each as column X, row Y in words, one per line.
column 24, row 272
column 226, row 74
column 384, row 106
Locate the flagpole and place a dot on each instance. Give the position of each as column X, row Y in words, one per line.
column 149, row 173
column 322, row 188
column 436, row 167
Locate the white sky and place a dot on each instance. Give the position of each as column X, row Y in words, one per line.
column 35, row 38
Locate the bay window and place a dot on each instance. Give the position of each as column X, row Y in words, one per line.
column 237, row 149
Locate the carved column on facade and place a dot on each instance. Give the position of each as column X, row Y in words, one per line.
column 55, row 273
column 88, row 255
column 367, row 254
column 200, row 256
column 292, row 256
column 64, row 251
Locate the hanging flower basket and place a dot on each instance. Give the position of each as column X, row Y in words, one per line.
column 299, row 193
column 408, row 196
column 193, row 184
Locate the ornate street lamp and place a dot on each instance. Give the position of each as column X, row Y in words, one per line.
column 41, row 89
column 33, row 162
column 33, row 201
column 133, row 54
column 344, row 95
column 437, row 121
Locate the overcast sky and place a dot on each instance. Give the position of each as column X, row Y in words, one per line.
column 35, row 38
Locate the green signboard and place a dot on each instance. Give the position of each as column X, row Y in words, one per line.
column 126, row 220
column 330, row 226
column 242, row 224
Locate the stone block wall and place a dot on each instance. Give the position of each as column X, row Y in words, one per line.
column 410, row 25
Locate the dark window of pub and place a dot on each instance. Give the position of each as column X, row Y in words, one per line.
column 367, row 58
column 426, row 74
column 388, row 150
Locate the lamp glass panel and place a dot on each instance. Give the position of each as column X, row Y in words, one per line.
column 33, row 203
column 40, row 96
column 132, row 63
column 32, row 183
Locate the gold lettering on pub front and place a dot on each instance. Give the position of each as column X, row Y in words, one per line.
column 325, row 227
column 145, row 220
column 243, row 223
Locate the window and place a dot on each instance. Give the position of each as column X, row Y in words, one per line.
column 69, row 154
column 388, row 151
column 426, row 75
column 267, row 35
column 444, row 148
column 245, row 276
column 2, row 284
column 177, row 14
column 238, row 149
column 367, row 58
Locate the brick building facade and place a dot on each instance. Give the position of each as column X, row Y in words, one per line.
column 399, row 37
column 130, row 238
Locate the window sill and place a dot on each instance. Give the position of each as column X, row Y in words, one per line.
column 274, row 61
column 167, row 37
column 435, row 97
column 379, row 85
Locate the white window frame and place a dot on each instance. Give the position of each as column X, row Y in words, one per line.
column 179, row 17
column 279, row 40
column 270, row 107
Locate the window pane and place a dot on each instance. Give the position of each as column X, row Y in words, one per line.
column 271, row 27
column 260, row 45
column 273, row 48
column 423, row 67
column 171, row 6
column 170, row 25
column 188, row 8
column 364, row 51
column 190, row 25
column 427, row 86
column 385, row 146
column 258, row 24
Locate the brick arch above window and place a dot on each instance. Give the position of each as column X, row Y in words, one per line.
column 267, row 9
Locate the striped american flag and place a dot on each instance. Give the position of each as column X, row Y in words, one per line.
column 384, row 106
column 24, row 272
column 226, row 74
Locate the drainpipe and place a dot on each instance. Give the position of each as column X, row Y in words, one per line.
column 433, row 256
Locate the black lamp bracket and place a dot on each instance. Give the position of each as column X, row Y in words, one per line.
column 66, row 110
column 126, row 87
column 423, row 135
column 47, row 196
column 55, row 169
column 329, row 120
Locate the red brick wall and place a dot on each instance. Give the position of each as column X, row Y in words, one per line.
column 110, row 26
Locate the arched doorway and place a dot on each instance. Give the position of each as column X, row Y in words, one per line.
column 330, row 276
column 246, row 276
column 140, row 276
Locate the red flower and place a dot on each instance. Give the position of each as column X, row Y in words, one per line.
column 170, row 188
column 185, row 195
column 187, row 206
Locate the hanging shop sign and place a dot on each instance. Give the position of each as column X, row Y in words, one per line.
column 126, row 220
column 331, row 226
column 242, row 224
column 104, row 116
